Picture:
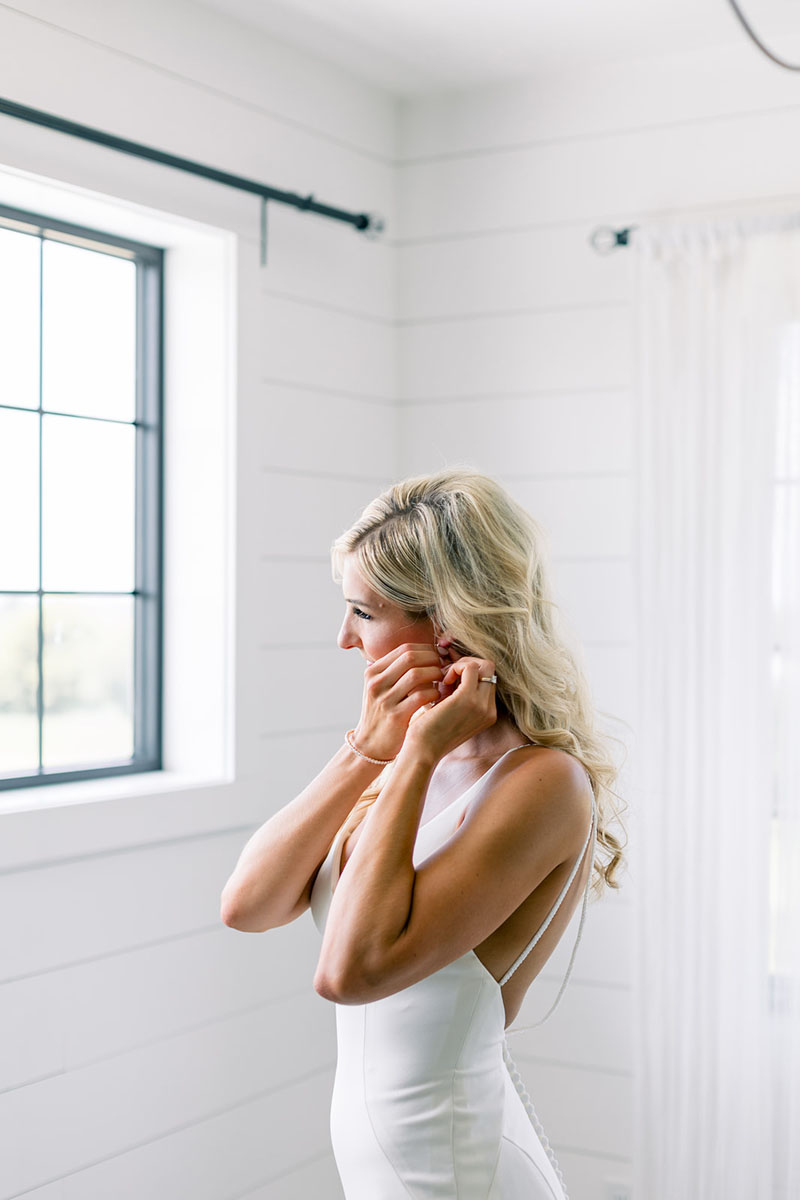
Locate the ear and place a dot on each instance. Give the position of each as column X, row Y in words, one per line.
column 449, row 651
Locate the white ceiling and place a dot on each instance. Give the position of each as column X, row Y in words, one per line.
column 415, row 46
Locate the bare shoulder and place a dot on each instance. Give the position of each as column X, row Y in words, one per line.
column 544, row 791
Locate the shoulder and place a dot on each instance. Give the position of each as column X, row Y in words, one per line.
column 546, row 792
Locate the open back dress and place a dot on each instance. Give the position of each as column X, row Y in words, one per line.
column 427, row 1103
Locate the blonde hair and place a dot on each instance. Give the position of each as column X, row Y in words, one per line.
column 454, row 546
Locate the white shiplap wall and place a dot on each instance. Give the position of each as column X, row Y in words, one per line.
column 147, row 1049
column 516, row 356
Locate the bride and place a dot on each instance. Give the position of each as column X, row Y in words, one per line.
column 445, row 846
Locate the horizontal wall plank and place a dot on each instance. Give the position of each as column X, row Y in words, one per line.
column 317, row 260
column 51, row 1191
column 584, row 515
column 315, row 687
column 225, row 56
column 588, row 1176
column 302, row 515
column 508, row 270
column 517, row 354
column 591, row 1027
column 604, row 956
column 114, row 1106
column 601, row 179
column 535, row 435
column 223, row 1156
column 307, row 431
column 300, row 603
column 88, row 908
column 320, row 1179
column 717, row 83
column 32, row 1046
column 325, row 348
column 597, row 598
column 612, row 675
column 77, row 1015
column 288, row 761
column 580, row 1109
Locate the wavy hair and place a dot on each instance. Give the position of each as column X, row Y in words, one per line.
column 454, row 546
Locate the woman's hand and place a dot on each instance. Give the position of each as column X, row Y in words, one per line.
column 467, row 707
column 395, row 688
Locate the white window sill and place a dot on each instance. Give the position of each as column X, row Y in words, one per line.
column 110, row 787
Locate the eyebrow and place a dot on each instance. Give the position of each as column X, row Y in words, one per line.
column 360, row 603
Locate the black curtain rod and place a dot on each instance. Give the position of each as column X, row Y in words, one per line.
column 366, row 222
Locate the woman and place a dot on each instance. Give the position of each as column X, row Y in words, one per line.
column 444, row 847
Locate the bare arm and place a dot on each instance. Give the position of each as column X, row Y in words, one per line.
column 391, row 924
column 271, row 883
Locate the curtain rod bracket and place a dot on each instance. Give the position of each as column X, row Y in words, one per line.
column 374, row 227
column 604, row 239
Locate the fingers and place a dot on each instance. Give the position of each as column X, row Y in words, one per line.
column 413, row 680
column 418, row 699
column 395, row 687
column 467, row 672
column 385, row 672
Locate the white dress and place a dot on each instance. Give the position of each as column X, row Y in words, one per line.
column 427, row 1103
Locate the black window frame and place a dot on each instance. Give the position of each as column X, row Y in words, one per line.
column 149, row 500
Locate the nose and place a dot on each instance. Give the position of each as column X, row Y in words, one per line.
column 347, row 639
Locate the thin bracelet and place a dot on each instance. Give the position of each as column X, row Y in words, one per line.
column 379, row 762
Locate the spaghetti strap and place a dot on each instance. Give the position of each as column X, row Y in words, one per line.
column 591, row 839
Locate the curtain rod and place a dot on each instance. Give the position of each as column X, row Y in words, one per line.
column 368, row 223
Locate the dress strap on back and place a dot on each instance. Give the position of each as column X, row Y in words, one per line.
column 591, row 839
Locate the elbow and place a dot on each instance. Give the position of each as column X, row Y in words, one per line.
column 339, row 989
column 235, row 913
column 325, row 986
column 229, row 912
column 349, row 983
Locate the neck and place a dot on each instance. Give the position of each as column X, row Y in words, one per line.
column 492, row 742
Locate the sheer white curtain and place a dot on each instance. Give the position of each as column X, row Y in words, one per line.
column 718, row 938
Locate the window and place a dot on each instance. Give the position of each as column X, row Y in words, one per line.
column 80, row 502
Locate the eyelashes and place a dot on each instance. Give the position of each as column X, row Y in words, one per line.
column 357, row 612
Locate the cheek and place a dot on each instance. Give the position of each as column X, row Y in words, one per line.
column 418, row 632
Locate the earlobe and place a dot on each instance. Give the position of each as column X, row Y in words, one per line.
column 449, row 650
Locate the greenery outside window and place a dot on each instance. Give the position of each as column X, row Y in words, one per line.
column 80, row 502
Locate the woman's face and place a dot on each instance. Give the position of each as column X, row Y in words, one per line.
column 375, row 626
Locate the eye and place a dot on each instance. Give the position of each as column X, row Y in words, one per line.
column 357, row 612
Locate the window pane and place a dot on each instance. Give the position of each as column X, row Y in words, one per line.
column 88, row 680
column 19, row 728
column 19, row 500
column 88, row 332
column 19, row 319
column 88, row 513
